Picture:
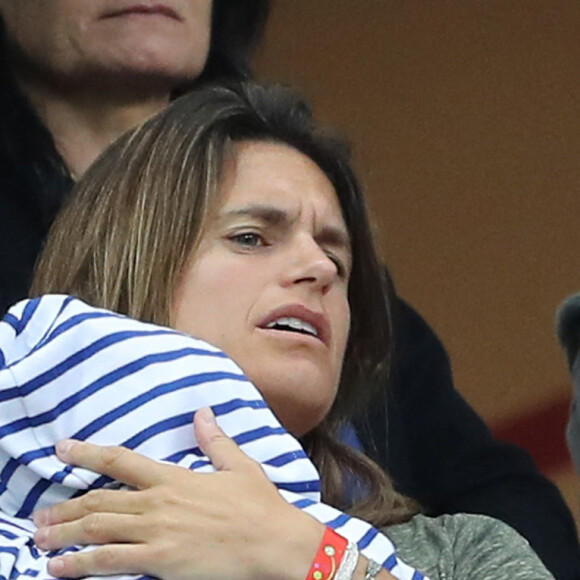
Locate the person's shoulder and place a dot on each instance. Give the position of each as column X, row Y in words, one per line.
column 466, row 547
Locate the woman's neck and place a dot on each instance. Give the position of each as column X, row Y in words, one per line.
column 83, row 125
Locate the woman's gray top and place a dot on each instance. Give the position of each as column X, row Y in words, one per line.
column 466, row 547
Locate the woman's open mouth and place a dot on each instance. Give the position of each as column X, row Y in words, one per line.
column 292, row 324
column 297, row 319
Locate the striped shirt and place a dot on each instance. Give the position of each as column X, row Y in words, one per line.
column 68, row 370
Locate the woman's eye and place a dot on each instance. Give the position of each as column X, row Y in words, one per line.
column 340, row 267
column 248, row 239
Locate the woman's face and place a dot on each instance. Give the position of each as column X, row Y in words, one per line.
column 68, row 40
column 268, row 283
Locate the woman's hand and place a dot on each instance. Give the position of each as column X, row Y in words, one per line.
column 178, row 524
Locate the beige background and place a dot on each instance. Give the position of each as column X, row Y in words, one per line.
column 465, row 117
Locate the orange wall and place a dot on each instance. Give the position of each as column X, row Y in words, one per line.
column 466, row 122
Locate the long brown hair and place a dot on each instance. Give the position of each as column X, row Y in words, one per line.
column 134, row 219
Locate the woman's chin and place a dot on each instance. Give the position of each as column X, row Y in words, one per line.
column 300, row 397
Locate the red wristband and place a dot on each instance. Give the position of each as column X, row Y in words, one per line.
column 328, row 557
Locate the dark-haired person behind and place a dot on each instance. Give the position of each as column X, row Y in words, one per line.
column 74, row 76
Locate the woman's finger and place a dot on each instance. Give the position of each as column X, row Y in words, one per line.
column 222, row 451
column 119, row 463
column 105, row 560
column 93, row 529
column 99, row 500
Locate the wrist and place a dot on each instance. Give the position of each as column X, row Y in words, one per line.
column 292, row 549
column 334, row 558
column 339, row 559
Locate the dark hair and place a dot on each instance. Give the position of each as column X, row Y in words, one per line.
column 237, row 29
column 135, row 217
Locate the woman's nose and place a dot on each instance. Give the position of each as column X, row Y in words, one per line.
column 309, row 264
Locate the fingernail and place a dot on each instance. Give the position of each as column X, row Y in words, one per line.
column 40, row 517
column 41, row 536
column 64, row 446
column 56, row 566
column 206, row 415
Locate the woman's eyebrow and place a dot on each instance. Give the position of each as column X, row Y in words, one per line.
column 265, row 213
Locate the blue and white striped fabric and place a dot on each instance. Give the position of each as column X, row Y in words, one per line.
column 68, row 370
